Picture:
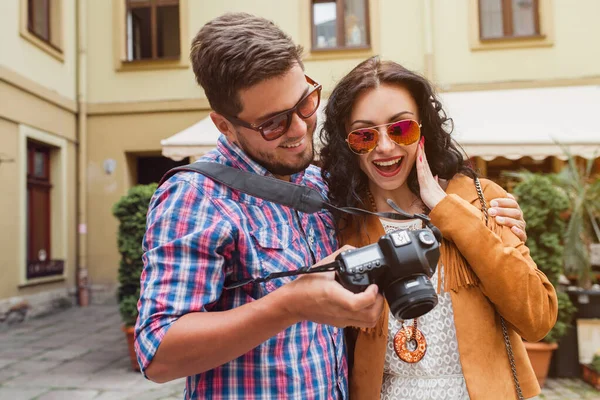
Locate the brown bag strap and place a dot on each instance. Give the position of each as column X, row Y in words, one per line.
column 511, row 356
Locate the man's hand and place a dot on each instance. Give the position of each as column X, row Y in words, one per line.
column 508, row 213
column 320, row 298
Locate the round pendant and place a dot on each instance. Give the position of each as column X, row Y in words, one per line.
column 401, row 344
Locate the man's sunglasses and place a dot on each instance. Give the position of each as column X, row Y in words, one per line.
column 364, row 140
column 276, row 126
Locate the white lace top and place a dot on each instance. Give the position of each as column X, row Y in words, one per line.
column 438, row 375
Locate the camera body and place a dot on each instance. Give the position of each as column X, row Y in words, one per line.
column 401, row 263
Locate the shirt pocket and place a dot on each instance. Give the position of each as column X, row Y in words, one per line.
column 277, row 251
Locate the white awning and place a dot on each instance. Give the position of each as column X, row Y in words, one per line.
column 200, row 138
column 526, row 122
column 192, row 142
column 489, row 124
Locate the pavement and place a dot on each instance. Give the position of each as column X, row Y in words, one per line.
column 81, row 354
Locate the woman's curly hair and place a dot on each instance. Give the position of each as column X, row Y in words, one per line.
column 340, row 168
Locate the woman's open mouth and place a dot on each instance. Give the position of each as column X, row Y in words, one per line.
column 388, row 167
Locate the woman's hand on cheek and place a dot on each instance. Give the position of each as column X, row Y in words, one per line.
column 431, row 191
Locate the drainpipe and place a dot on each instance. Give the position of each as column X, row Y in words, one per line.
column 428, row 39
column 81, row 277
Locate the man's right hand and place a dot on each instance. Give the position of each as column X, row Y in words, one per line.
column 320, row 298
column 200, row 341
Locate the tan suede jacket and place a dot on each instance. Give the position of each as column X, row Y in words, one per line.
column 487, row 271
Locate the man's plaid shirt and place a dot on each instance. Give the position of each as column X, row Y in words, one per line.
column 201, row 235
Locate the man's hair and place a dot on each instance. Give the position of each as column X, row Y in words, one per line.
column 236, row 51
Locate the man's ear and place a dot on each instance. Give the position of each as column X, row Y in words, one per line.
column 224, row 126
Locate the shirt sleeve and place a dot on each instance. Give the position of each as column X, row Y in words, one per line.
column 185, row 248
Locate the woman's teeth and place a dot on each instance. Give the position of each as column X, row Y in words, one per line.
column 387, row 163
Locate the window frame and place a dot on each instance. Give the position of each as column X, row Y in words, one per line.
column 53, row 44
column 122, row 64
column 545, row 39
column 153, row 5
column 340, row 28
column 507, row 23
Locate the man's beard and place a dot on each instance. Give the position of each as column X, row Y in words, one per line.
column 302, row 160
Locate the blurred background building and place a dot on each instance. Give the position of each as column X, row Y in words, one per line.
column 94, row 94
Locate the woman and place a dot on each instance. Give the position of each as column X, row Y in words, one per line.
column 388, row 136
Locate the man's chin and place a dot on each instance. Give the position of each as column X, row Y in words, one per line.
column 302, row 162
column 285, row 170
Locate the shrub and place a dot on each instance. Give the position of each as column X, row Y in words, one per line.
column 131, row 212
column 544, row 206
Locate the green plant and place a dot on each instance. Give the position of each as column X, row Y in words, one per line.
column 566, row 309
column 131, row 211
column 596, row 362
column 583, row 228
column 544, row 206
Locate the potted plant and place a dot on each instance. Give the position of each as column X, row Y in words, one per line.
column 583, row 229
column 591, row 372
column 131, row 211
column 544, row 206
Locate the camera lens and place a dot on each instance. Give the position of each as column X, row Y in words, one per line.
column 410, row 298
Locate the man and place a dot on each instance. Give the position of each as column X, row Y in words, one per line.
column 274, row 340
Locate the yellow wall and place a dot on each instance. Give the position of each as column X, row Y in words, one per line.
column 107, row 84
column 115, row 136
column 399, row 31
column 20, row 55
column 9, row 220
column 402, row 32
column 58, row 124
column 23, row 107
column 573, row 54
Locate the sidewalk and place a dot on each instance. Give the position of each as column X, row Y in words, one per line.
column 78, row 354
column 81, row 354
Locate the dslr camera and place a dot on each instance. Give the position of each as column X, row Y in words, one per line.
column 401, row 263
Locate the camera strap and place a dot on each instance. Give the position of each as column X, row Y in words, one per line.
column 301, row 198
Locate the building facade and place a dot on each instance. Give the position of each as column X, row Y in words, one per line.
column 88, row 89
column 38, row 155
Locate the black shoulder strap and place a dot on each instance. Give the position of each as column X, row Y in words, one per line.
column 301, row 198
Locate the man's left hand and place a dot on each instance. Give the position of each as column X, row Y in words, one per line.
column 507, row 212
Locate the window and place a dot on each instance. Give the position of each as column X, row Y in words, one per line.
column 38, row 18
column 152, row 30
column 340, row 24
column 39, row 187
column 41, row 24
column 499, row 19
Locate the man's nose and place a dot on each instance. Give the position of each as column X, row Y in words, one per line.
column 298, row 127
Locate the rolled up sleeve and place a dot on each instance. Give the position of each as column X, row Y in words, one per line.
column 184, row 246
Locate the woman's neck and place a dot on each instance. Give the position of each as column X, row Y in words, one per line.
column 402, row 196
